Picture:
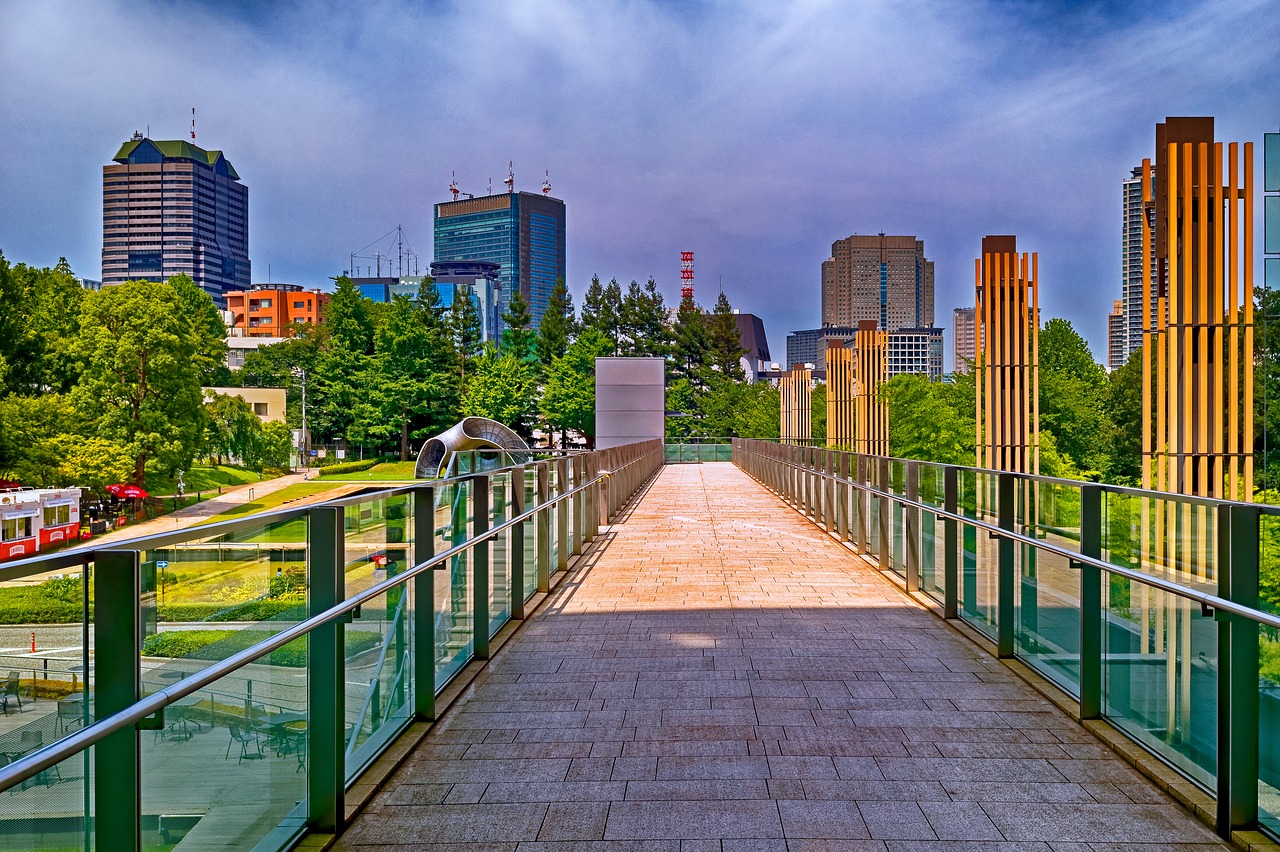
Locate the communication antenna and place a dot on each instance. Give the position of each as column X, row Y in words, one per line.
column 490, row 192
column 453, row 184
column 686, row 275
column 510, row 180
column 546, row 184
column 193, row 124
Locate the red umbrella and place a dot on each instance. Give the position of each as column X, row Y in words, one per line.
column 132, row 492
column 116, row 488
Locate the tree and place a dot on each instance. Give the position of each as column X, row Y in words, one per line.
column 690, row 342
column 1266, row 394
column 504, row 388
column 90, row 462
column 1123, row 422
column 1072, row 389
column 207, row 330
column 464, row 331
column 724, row 350
column 141, row 381
column 569, row 397
column 518, row 338
column 347, row 318
column 817, row 412
column 25, row 421
column 232, row 430
column 646, row 321
column 277, row 440
column 558, row 325
column 38, row 322
column 930, row 421
column 600, row 307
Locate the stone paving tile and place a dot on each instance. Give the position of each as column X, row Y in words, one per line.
column 725, row 677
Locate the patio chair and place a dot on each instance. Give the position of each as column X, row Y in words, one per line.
column 244, row 738
column 70, row 714
column 10, row 690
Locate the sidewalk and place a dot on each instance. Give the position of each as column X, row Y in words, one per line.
column 228, row 499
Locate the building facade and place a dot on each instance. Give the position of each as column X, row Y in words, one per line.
column 268, row 310
column 752, row 339
column 964, row 340
column 883, row 278
column 522, row 232
column 482, row 281
column 1135, row 288
column 171, row 208
column 1117, row 336
column 915, row 350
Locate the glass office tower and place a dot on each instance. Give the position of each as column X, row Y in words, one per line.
column 522, row 232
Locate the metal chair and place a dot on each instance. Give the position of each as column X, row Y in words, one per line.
column 244, row 738
column 10, row 690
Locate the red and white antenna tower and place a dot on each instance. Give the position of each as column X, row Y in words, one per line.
column 686, row 275
column 510, row 179
column 546, row 184
column 453, row 184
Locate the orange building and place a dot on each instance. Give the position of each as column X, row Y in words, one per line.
column 267, row 310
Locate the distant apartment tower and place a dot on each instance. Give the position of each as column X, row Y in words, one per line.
column 915, row 350
column 171, row 208
column 1133, row 289
column 522, row 232
column 1117, row 337
column 883, row 278
column 268, row 310
column 964, row 339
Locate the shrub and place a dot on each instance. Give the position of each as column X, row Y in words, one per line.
column 258, row 610
column 348, row 467
column 213, row 645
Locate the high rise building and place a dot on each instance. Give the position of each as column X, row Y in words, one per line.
column 522, row 232
column 1117, row 336
column 269, row 310
column 1132, row 288
column 882, row 278
column 171, row 208
column 915, row 350
column 964, row 339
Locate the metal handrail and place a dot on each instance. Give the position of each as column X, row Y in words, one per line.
column 1203, row 598
column 73, row 744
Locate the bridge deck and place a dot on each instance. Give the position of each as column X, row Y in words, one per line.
column 721, row 675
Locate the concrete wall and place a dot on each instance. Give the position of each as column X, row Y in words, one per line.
column 630, row 400
column 267, row 403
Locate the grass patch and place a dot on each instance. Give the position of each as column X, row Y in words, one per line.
column 214, row 645
column 39, row 605
column 203, row 479
column 381, row 471
column 274, row 500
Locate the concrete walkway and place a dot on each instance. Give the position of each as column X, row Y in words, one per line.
column 723, row 676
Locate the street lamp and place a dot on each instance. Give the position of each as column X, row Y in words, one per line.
column 305, row 443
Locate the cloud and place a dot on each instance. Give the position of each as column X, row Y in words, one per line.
column 754, row 133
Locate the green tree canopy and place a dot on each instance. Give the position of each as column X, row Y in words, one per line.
column 348, row 320
column 1072, row 391
column 141, row 379
column 503, row 388
column 600, row 309
column 518, row 338
column 569, row 397
column 724, row 345
column 558, row 325
column 930, row 421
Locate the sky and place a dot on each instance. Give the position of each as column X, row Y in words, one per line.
column 753, row 133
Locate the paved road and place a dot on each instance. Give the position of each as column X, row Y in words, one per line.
column 724, row 675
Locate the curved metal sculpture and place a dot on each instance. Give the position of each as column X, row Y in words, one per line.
column 470, row 433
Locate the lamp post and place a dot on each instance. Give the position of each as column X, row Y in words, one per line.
column 304, row 444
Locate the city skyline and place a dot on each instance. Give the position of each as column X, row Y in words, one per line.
column 741, row 132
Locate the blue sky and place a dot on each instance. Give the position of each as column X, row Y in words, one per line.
column 755, row 134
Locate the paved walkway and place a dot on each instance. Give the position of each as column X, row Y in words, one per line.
column 725, row 677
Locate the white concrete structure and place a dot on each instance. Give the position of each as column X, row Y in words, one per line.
column 631, row 401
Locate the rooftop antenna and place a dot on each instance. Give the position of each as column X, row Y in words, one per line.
column 546, row 184
column 510, row 180
column 490, row 192
column 686, row 275
column 193, row 124
column 453, row 185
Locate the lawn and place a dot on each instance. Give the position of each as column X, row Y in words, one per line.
column 204, row 479
column 380, row 472
column 276, row 499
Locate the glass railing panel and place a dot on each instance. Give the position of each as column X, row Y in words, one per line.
column 453, row 589
column 47, row 812
column 873, row 505
column 979, row 552
column 932, row 492
column 897, row 485
column 1168, row 537
column 229, row 768
column 1269, row 564
column 1160, row 685
column 499, row 549
column 1048, row 631
column 530, row 533
column 553, row 524
column 378, row 540
column 1269, row 729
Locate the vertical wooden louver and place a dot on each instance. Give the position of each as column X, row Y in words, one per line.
column 1006, row 316
column 797, row 405
column 870, row 370
column 841, row 399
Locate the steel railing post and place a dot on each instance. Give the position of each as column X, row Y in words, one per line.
column 480, row 566
column 951, row 544
column 424, row 605
column 1006, row 605
column 1091, row 612
column 326, row 673
column 911, row 527
column 117, row 760
column 1238, row 733
column 884, row 514
column 515, row 543
column 829, row 488
column 842, row 496
column 860, row 503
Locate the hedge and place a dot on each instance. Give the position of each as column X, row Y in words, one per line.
column 259, row 610
column 213, row 645
column 349, row 467
column 31, row 605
